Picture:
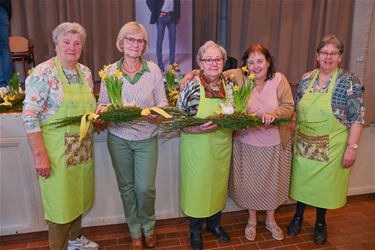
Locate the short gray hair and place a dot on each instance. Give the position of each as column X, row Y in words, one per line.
column 132, row 28
column 65, row 28
column 204, row 47
column 331, row 39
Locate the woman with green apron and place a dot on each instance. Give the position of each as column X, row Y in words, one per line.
column 56, row 89
column 329, row 115
column 205, row 150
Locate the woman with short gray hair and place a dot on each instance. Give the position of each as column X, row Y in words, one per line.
column 58, row 88
column 329, row 118
column 205, row 150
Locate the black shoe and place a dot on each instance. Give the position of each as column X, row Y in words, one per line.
column 294, row 226
column 219, row 233
column 196, row 241
column 320, row 233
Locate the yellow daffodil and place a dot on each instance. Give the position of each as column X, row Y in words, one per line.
column 106, row 67
column 170, row 66
column 117, row 74
column 102, row 74
column 251, row 76
column 236, row 88
column 30, row 71
column 244, row 69
column 175, row 65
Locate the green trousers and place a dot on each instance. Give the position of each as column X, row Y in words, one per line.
column 134, row 163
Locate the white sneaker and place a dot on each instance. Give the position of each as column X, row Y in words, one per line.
column 82, row 244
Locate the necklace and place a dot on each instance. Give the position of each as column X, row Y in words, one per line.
column 129, row 71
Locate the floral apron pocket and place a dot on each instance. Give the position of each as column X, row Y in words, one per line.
column 313, row 147
column 77, row 152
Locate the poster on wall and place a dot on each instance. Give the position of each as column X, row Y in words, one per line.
column 170, row 26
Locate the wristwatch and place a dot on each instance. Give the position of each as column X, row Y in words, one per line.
column 353, row 146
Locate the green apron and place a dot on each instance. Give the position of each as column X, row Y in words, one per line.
column 205, row 163
column 69, row 190
column 318, row 178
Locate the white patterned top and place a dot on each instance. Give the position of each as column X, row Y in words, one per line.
column 147, row 92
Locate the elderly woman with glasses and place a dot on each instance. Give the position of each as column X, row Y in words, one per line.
column 58, row 88
column 330, row 116
column 134, row 148
column 205, row 150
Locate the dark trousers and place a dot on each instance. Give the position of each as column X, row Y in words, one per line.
column 162, row 23
column 6, row 63
column 196, row 223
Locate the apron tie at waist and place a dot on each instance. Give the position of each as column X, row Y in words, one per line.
column 85, row 124
column 147, row 111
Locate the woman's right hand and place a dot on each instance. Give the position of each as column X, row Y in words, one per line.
column 203, row 128
column 100, row 125
column 42, row 166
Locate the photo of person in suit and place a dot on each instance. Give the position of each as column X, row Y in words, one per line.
column 165, row 13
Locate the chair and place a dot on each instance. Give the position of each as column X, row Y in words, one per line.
column 22, row 50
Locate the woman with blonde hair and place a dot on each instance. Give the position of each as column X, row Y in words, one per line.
column 134, row 148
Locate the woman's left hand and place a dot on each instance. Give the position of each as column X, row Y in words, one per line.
column 267, row 119
column 349, row 157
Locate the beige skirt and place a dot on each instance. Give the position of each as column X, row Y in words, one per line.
column 260, row 176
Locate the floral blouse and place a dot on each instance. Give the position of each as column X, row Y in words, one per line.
column 44, row 93
column 347, row 96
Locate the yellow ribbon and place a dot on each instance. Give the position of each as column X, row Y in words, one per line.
column 85, row 124
column 147, row 111
column 6, row 101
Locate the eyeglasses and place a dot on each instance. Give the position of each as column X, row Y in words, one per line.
column 326, row 54
column 131, row 41
column 218, row 61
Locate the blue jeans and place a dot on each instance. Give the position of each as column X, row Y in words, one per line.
column 165, row 21
column 6, row 63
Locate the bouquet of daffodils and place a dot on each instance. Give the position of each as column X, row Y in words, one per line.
column 242, row 94
column 172, row 77
column 113, row 83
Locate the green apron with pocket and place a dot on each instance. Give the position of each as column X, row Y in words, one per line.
column 69, row 190
column 204, row 165
column 318, row 177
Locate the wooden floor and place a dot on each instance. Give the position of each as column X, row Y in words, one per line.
column 350, row 227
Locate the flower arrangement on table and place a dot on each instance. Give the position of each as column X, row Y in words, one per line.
column 13, row 100
column 172, row 79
